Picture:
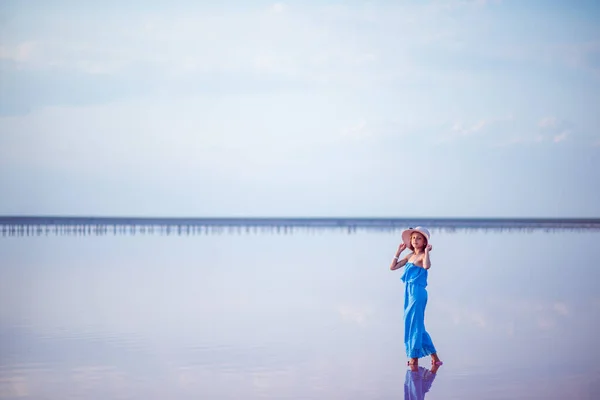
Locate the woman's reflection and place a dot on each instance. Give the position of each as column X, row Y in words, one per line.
column 418, row 381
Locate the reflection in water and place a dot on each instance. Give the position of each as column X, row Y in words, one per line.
column 295, row 317
column 99, row 226
column 417, row 382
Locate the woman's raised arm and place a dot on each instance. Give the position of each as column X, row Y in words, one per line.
column 396, row 262
column 426, row 260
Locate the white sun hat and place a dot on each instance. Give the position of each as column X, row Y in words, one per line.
column 407, row 234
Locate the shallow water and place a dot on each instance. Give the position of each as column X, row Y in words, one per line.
column 310, row 315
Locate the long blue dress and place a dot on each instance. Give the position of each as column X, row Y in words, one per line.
column 417, row 341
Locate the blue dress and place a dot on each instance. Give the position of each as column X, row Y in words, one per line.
column 416, row 339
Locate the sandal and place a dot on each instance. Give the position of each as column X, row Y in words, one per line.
column 437, row 362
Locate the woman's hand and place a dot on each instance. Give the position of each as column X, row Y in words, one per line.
column 402, row 247
column 428, row 248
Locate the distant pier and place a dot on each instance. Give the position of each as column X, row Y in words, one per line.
column 83, row 226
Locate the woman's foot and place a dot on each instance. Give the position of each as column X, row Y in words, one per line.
column 413, row 361
column 435, row 360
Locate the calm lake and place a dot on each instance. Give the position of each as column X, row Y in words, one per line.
column 310, row 315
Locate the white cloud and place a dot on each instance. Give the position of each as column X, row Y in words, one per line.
column 548, row 122
column 443, row 5
column 358, row 130
column 176, row 44
column 191, row 136
column 580, row 55
column 487, row 2
column 314, row 44
column 460, row 130
column 554, row 129
column 20, row 53
column 277, row 8
column 549, row 129
column 560, row 137
column 482, row 127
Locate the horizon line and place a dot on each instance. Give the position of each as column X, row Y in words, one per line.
column 309, row 222
column 118, row 216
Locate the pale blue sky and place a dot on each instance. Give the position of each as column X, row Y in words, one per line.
column 443, row 108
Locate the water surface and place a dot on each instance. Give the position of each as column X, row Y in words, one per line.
column 314, row 314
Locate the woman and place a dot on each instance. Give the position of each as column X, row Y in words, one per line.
column 416, row 339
